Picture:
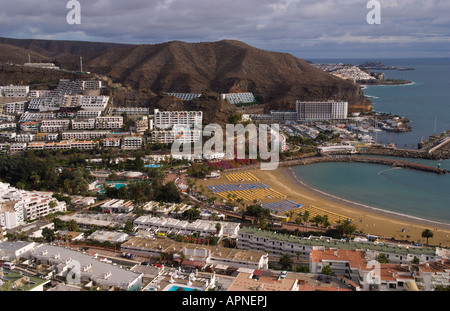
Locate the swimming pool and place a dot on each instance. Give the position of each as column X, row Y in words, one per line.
column 174, row 288
column 117, row 185
column 153, row 165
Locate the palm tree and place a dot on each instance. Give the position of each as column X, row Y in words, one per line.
column 218, row 228
column 317, row 219
column 286, row 261
column 325, row 221
column 427, row 233
column 305, row 217
column 289, row 214
column 327, row 270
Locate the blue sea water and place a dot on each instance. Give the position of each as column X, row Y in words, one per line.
column 427, row 104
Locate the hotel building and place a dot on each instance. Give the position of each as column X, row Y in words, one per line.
column 321, row 110
column 167, row 119
column 14, row 108
column 14, row 90
column 185, row 96
column 109, row 122
column 239, row 98
column 20, row 205
column 82, row 135
column 132, row 142
column 83, row 124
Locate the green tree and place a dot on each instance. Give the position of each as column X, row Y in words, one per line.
column 428, row 234
column 346, row 227
column 286, row 262
column 381, row 258
column 218, row 228
column 327, row 270
column 305, row 218
column 72, row 225
column 325, row 222
column 317, row 220
column 48, row 235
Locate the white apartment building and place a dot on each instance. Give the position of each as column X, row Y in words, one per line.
column 141, row 123
column 62, row 145
column 5, row 126
column 54, row 125
column 8, row 135
column 278, row 244
column 83, row 135
column 4, row 146
column 239, row 98
column 109, row 122
column 14, row 108
column 94, row 103
column 46, row 136
column 430, row 275
column 321, row 110
column 7, row 118
column 111, row 142
column 12, row 250
column 83, row 124
column 88, row 221
column 117, row 111
column 167, row 119
column 83, row 144
column 87, row 114
column 185, row 96
column 36, row 116
column 18, row 147
column 92, row 85
column 117, row 206
column 15, row 90
column 39, row 93
column 203, row 255
column 108, row 236
column 179, row 135
column 36, row 145
column 351, row 264
column 93, row 270
column 132, row 142
column 28, row 205
column 21, row 138
column 10, row 217
column 202, row 227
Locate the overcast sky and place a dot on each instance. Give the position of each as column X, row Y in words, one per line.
column 304, row 28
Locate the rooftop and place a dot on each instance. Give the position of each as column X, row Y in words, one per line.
column 245, row 282
column 330, row 243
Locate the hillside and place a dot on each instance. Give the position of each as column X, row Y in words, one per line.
column 18, row 55
column 225, row 66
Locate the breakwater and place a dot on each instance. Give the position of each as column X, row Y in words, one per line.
column 370, row 160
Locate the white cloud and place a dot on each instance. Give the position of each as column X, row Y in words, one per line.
column 280, row 25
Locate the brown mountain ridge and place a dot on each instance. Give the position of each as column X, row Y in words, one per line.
column 279, row 79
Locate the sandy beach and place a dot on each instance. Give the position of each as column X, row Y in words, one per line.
column 367, row 219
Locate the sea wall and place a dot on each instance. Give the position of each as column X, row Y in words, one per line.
column 352, row 159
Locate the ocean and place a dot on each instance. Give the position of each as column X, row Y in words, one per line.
column 403, row 191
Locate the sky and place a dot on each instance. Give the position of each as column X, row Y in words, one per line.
column 308, row 29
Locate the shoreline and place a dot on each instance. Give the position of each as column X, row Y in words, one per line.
column 294, row 178
column 368, row 220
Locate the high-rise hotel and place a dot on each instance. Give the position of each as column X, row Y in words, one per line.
column 321, row 110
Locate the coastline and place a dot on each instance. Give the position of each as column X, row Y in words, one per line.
column 399, row 216
column 367, row 219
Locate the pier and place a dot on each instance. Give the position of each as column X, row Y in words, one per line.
column 370, row 160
